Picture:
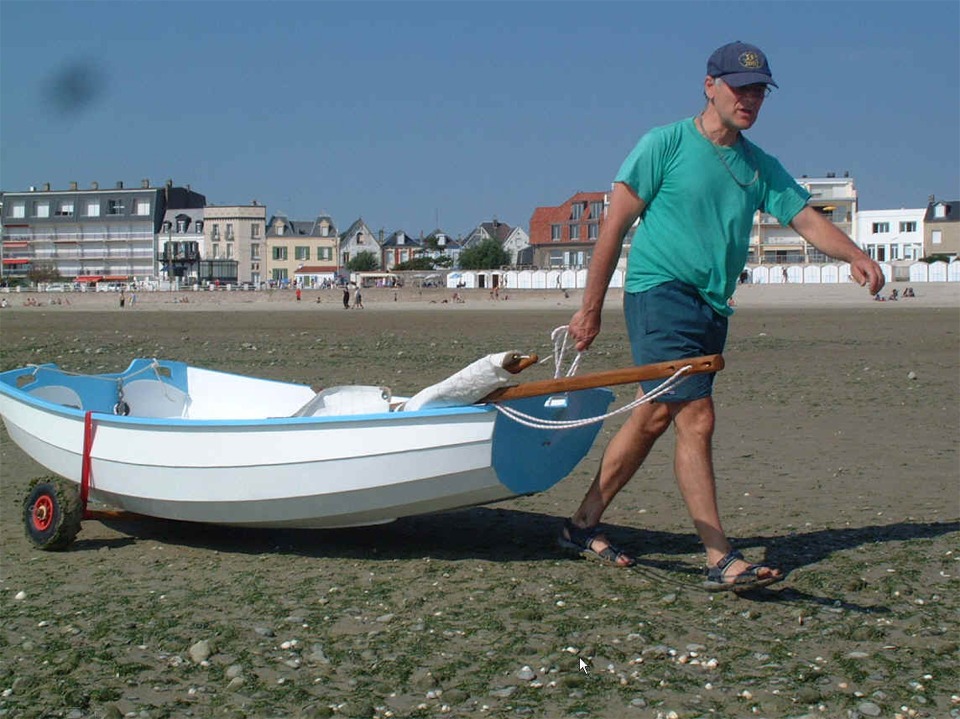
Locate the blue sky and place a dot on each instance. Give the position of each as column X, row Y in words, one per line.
column 415, row 115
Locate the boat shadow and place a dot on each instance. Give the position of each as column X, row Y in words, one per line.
column 498, row 534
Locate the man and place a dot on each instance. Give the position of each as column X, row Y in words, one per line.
column 697, row 184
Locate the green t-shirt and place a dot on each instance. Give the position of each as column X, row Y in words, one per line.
column 698, row 218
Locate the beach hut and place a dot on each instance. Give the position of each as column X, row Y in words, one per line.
column 919, row 272
column 953, row 271
column 938, row 272
column 811, row 274
column 829, row 274
column 760, row 275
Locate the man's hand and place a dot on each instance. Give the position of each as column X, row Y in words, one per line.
column 830, row 240
column 867, row 273
column 584, row 327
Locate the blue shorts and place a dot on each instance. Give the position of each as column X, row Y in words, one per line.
column 671, row 322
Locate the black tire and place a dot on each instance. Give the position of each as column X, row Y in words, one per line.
column 52, row 513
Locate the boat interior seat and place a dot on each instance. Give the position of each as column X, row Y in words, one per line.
column 347, row 400
column 58, row 394
column 153, row 398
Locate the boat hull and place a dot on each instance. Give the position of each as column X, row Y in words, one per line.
column 284, row 471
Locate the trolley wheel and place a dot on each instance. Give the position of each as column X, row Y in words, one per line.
column 52, row 513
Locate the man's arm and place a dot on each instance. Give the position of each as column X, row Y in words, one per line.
column 625, row 208
column 826, row 237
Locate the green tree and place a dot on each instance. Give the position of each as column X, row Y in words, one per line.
column 416, row 264
column 43, row 272
column 363, row 262
column 488, row 255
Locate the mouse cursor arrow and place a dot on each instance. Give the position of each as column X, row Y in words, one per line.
column 583, row 666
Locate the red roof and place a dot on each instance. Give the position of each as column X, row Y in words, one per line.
column 15, row 261
column 88, row 278
column 116, row 278
column 314, row 269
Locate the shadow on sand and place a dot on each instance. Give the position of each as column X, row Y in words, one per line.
column 496, row 535
column 507, row 535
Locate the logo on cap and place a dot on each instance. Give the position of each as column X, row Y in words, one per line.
column 751, row 60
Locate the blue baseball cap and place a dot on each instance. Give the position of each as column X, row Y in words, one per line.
column 739, row 64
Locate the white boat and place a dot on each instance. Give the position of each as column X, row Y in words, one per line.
column 169, row 440
column 179, row 442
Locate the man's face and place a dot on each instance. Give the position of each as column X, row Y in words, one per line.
column 738, row 107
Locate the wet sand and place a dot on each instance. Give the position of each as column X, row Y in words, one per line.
column 836, row 455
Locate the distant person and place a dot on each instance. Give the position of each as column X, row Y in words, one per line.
column 786, row 277
column 346, row 298
column 908, row 292
column 358, row 299
column 894, row 295
column 298, row 294
column 123, row 299
column 697, row 184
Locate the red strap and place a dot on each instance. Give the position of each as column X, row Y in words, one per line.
column 85, row 466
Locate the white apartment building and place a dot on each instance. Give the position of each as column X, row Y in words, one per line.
column 890, row 235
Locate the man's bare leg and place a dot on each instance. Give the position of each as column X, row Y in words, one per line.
column 621, row 460
column 693, row 464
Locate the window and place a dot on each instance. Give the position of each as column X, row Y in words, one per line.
column 181, row 226
column 556, row 258
column 41, row 209
column 279, row 253
column 255, row 229
column 894, row 252
column 555, row 233
column 596, row 209
column 18, row 209
column 141, row 207
column 114, row 207
column 359, row 238
column 325, row 253
column 255, row 251
column 93, row 208
column 229, row 231
column 574, row 232
column 908, row 227
column 65, row 208
column 593, row 230
column 215, row 232
column 216, row 252
column 880, row 228
column 576, row 211
column 229, row 252
column 936, row 237
column 199, row 227
column 301, row 253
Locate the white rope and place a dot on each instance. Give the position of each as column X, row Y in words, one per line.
column 538, row 423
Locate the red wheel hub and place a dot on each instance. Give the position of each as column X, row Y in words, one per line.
column 43, row 513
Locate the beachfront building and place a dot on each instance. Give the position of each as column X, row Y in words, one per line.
column 302, row 252
column 832, row 196
column 517, row 245
column 442, row 249
column 180, row 245
column 399, row 247
column 232, row 250
column 891, row 235
column 89, row 235
column 563, row 236
column 941, row 228
column 356, row 239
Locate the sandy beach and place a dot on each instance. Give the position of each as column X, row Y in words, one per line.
column 837, row 460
